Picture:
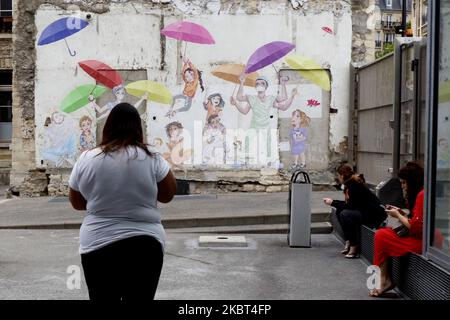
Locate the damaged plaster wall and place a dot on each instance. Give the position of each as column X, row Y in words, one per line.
column 364, row 20
column 333, row 53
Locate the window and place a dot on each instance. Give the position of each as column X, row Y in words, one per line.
column 5, row 105
column 438, row 177
column 389, row 4
column 5, row 16
column 389, row 37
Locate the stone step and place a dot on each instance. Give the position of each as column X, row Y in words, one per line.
column 238, row 220
column 316, row 228
column 5, row 164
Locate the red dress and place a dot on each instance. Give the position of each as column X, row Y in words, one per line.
column 389, row 244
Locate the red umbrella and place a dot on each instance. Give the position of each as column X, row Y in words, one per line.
column 102, row 73
column 327, row 30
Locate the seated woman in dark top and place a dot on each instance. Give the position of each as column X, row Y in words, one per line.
column 361, row 207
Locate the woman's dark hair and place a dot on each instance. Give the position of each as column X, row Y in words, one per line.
column 413, row 174
column 212, row 96
column 174, row 124
column 346, row 171
column 200, row 80
column 123, row 128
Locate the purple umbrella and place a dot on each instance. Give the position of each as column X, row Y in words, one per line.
column 267, row 54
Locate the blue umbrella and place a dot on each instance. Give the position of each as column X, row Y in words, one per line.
column 61, row 29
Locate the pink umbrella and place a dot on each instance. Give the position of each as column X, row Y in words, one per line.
column 188, row 31
column 268, row 54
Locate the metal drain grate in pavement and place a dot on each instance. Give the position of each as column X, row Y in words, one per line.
column 222, row 241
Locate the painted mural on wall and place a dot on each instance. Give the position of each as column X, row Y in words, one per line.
column 229, row 122
column 60, row 146
column 299, row 135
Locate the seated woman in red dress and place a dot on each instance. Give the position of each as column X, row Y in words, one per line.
column 387, row 242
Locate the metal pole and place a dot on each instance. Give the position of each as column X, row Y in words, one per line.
column 404, row 18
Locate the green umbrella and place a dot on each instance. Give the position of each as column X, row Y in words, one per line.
column 79, row 97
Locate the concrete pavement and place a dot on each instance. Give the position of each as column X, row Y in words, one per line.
column 183, row 211
column 34, row 263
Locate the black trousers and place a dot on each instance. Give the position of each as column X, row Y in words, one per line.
column 126, row 270
column 351, row 221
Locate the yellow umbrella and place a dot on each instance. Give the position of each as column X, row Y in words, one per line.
column 231, row 72
column 444, row 92
column 156, row 91
column 309, row 69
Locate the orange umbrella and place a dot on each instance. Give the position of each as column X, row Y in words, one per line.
column 231, row 72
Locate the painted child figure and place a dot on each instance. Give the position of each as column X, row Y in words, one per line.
column 192, row 78
column 176, row 155
column 87, row 136
column 213, row 139
column 298, row 135
column 213, row 104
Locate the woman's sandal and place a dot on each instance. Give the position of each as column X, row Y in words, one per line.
column 378, row 293
column 346, row 248
column 352, row 255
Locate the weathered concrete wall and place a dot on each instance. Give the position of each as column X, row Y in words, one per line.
column 45, row 75
column 365, row 13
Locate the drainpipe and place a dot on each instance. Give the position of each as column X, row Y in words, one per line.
column 397, row 107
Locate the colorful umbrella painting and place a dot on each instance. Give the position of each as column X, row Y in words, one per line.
column 156, row 91
column 102, row 73
column 60, row 30
column 444, row 92
column 188, row 31
column 232, row 72
column 268, row 54
column 327, row 30
column 313, row 103
column 79, row 97
column 310, row 70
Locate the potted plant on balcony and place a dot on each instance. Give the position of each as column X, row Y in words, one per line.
column 409, row 30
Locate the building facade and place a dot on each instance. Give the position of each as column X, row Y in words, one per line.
column 214, row 153
column 389, row 17
column 419, row 18
column 6, row 47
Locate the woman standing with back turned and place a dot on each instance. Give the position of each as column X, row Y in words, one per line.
column 119, row 184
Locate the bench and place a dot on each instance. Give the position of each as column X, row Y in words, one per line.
column 416, row 277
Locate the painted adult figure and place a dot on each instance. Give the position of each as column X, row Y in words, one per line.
column 119, row 184
column 119, row 96
column 261, row 103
